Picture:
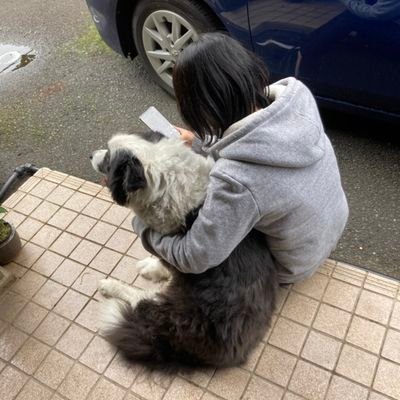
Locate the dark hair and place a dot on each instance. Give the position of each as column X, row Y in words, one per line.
column 218, row 82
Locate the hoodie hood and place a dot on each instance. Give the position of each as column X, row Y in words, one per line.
column 287, row 133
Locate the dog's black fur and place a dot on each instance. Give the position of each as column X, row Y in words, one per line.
column 211, row 319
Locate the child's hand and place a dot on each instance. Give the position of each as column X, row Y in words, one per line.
column 186, row 135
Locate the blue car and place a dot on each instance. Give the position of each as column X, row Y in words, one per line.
column 346, row 51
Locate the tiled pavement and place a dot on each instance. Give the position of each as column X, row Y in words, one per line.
column 335, row 336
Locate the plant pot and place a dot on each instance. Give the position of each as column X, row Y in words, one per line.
column 10, row 247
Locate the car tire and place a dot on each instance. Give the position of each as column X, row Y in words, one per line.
column 157, row 27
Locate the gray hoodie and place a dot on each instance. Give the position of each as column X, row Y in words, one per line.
column 276, row 171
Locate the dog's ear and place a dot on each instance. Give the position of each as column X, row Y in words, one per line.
column 126, row 175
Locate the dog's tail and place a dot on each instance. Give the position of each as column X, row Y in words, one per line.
column 143, row 334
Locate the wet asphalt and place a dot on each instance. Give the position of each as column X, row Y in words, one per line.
column 77, row 93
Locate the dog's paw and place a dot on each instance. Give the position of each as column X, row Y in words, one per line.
column 108, row 287
column 153, row 270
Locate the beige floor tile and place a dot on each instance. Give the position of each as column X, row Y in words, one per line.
column 357, row 365
column 332, row 320
column 85, row 252
column 54, row 369
column 283, row 294
column 29, row 184
column 341, row 294
column 342, row 389
column 88, row 281
column 350, row 274
column 116, row 215
column 74, row 341
column 382, row 285
column 71, row 304
column 377, row 396
column 27, row 204
column 78, row 201
column 62, row 218
column 276, row 365
column 387, row 379
column 391, row 348
column 17, row 270
column 366, row 334
column 292, row 396
column 81, row 225
column 96, row 208
column 29, row 284
column 299, row 308
column 30, row 318
column 30, row 356
column 121, row 372
column 253, row 357
column 78, row 383
column 11, row 340
column 47, row 263
column 313, row 287
column 15, row 218
column 10, row 305
column 73, row 182
column 105, row 260
column 229, row 383
column 147, row 388
column 321, row 350
column 105, row 390
column 127, row 224
column 309, row 381
column 121, row 240
column 29, row 228
column 181, row 389
column 375, row 307
column 137, row 250
column 46, row 236
column 43, row 189
column 98, row 354
column 209, row 396
column 89, row 317
column 67, row 272
column 45, row 211
column 13, row 200
column 51, row 329
column 101, row 232
column 260, row 389
column 60, row 195
column 34, row 391
column 288, row 336
column 65, row 244
column 126, row 270
column 395, row 319
column 131, row 396
column 28, row 255
column 56, row 176
column 11, row 382
column 90, row 188
column 49, row 294
column 200, row 377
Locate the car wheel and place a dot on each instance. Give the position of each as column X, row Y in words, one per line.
column 162, row 29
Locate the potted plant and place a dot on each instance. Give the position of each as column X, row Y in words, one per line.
column 10, row 243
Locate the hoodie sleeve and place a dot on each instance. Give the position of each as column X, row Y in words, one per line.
column 227, row 216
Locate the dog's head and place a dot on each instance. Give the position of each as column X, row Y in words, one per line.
column 122, row 166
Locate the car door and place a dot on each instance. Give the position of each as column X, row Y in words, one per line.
column 340, row 55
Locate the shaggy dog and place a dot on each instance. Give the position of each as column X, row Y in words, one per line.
column 211, row 319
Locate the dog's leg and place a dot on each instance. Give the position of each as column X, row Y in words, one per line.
column 153, row 270
column 112, row 288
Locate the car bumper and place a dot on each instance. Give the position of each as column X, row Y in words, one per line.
column 104, row 14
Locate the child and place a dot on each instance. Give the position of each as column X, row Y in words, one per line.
column 275, row 168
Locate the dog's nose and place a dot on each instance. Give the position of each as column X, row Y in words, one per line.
column 91, row 157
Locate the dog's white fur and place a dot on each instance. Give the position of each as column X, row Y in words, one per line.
column 153, row 270
column 169, row 165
